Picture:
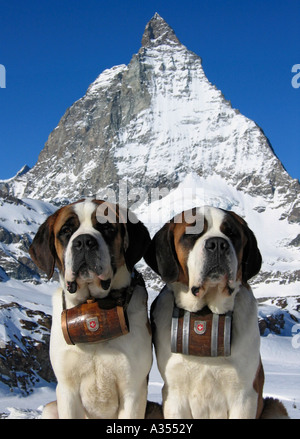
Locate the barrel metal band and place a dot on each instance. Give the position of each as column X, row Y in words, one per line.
column 214, row 335
column 227, row 334
column 186, row 332
column 174, row 329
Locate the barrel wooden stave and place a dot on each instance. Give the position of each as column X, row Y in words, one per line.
column 199, row 344
column 88, row 323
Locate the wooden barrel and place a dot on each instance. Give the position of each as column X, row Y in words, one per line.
column 203, row 333
column 88, row 323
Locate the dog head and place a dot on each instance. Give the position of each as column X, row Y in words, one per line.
column 93, row 244
column 205, row 254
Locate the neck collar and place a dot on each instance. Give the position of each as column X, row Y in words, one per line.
column 116, row 297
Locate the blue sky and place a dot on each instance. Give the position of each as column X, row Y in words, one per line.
column 53, row 49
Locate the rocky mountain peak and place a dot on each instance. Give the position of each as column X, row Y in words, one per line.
column 23, row 170
column 152, row 123
column 158, row 32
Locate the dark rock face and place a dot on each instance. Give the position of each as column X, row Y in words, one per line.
column 16, row 266
column 280, row 316
column 158, row 32
column 19, row 221
column 24, row 357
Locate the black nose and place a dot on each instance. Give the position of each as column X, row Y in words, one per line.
column 217, row 245
column 84, row 242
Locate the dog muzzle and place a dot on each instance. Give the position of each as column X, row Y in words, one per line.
column 201, row 333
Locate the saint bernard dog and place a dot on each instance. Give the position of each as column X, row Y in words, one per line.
column 95, row 251
column 206, row 257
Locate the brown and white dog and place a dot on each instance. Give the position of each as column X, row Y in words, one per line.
column 94, row 257
column 209, row 267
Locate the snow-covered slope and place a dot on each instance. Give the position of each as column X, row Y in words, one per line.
column 19, row 221
column 279, row 309
column 25, row 303
column 280, row 270
column 280, row 356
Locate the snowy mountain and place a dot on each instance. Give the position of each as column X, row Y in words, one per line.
column 158, row 137
column 152, row 123
column 19, row 220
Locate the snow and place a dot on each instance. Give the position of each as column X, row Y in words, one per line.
column 280, row 359
column 104, row 80
column 281, row 363
column 24, row 217
column 188, row 123
column 34, row 297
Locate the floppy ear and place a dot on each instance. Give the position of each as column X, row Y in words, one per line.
column 42, row 250
column 161, row 255
column 252, row 259
column 139, row 240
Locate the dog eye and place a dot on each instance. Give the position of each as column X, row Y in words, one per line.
column 107, row 229
column 65, row 230
column 189, row 239
column 230, row 232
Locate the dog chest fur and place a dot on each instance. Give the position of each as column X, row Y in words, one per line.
column 94, row 369
column 213, row 387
